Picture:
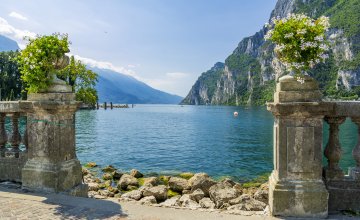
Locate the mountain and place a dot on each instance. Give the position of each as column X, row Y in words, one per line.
column 249, row 73
column 120, row 88
column 7, row 44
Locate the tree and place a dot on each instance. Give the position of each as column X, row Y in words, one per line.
column 10, row 82
column 81, row 80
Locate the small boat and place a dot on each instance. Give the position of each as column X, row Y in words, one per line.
column 236, row 114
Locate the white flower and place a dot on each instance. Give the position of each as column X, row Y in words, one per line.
column 280, row 47
column 268, row 34
column 324, row 21
column 302, row 31
column 324, row 46
column 300, row 80
column 289, row 35
column 319, row 38
column 32, row 67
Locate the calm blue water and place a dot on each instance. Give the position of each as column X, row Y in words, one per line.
column 169, row 139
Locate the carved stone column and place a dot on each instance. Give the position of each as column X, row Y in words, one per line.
column 296, row 188
column 3, row 136
column 355, row 172
column 52, row 164
column 333, row 149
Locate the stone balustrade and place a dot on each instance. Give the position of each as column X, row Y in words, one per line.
column 13, row 145
column 299, row 185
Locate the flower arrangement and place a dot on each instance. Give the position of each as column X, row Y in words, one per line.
column 40, row 59
column 300, row 41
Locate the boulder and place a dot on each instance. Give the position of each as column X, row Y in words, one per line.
column 106, row 193
column 197, row 195
column 135, row 195
column 159, row 192
column 249, row 205
column 262, row 195
column 207, row 203
column 127, row 180
column 99, row 197
column 172, row 202
column 240, row 199
column 135, row 173
column 148, row 200
column 221, row 193
column 108, row 169
column 117, row 174
column 178, row 184
column 85, row 171
column 113, row 189
column 130, row 188
column 201, row 181
column 186, row 191
column 152, row 181
column 238, row 188
column 188, row 203
column 93, row 186
column 228, row 181
column 107, row 176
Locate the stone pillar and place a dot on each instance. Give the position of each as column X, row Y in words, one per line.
column 3, row 136
column 296, row 187
column 52, row 164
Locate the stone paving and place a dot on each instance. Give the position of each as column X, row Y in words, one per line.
column 15, row 204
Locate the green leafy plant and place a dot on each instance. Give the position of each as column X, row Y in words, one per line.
column 81, row 80
column 300, row 41
column 41, row 59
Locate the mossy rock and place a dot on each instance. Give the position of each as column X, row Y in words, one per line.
column 257, row 182
column 90, row 165
column 85, row 171
column 141, row 181
column 108, row 169
column 113, row 189
column 251, row 184
column 164, row 180
column 102, row 186
column 186, row 175
column 171, row 193
column 107, row 183
column 107, row 176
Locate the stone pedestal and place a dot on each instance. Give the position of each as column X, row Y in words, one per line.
column 52, row 164
column 296, row 187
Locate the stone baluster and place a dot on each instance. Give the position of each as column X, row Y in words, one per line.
column 3, row 136
column 25, row 137
column 355, row 172
column 15, row 137
column 333, row 149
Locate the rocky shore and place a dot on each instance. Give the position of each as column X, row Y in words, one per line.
column 187, row 190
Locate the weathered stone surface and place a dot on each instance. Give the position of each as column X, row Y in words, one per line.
column 221, row 193
column 178, row 184
column 207, row 203
column 107, row 176
column 127, row 180
column 249, row 205
column 108, row 169
column 135, row 194
column 148, row 200
column 106, row 193
column 201, row 181
column 197, row 195
column 241, row 199
column 159, row 192
column 172, row 202
column 188, row 203
column 52, row 165
column 152, row 181
column 135, row 173
column 262, row 195
column 93, row 186
column 117, row 174
column 228, row 181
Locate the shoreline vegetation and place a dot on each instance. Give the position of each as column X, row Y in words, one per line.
column 185, row 190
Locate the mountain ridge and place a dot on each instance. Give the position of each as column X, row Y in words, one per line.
column 249, row 73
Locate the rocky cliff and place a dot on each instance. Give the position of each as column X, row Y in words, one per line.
column 248, row 75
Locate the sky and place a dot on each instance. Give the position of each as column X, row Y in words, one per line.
column 164, row 43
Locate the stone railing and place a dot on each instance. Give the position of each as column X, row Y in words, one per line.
column 299, row 185
column 12, row 156
column 344, row 189
column 43, row 158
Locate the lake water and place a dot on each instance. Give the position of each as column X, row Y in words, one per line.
column 169, row 139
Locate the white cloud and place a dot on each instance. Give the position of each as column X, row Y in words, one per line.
column 177, row 75
column 106, row 65
column 18, row 16
column 12, row 32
